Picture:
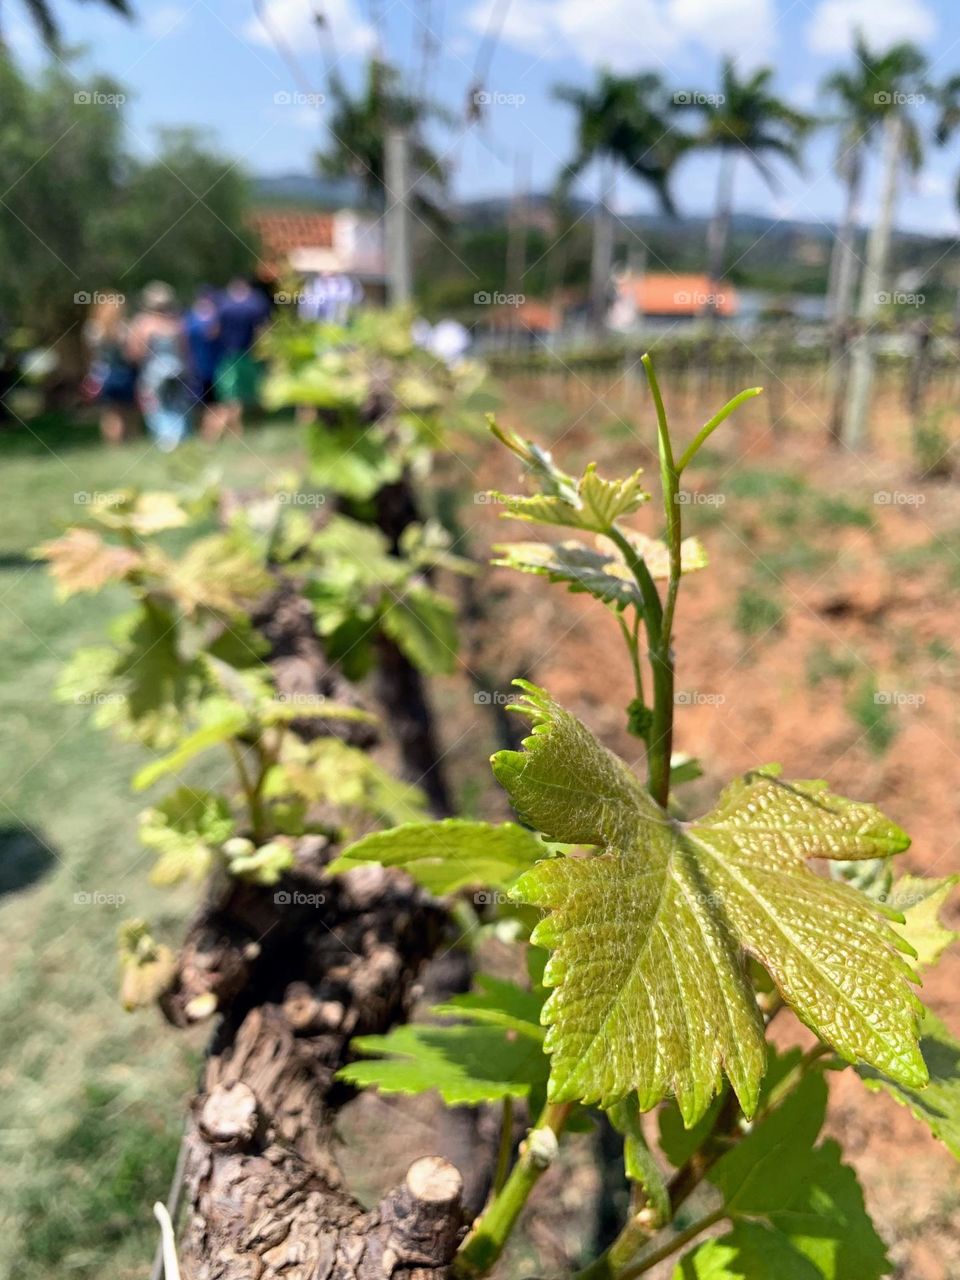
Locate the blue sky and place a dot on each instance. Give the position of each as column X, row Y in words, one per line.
column 210, row 63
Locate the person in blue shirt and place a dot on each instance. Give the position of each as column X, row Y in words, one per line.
column 204, row 347
column 243, row 311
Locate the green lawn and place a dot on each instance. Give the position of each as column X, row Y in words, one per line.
column 91, row 1099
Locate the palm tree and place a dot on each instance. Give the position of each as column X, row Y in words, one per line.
column 43, row 18
column 358, row 130
column 623, row 122
column 745, row 119
column 908, row 88
column 863, row 95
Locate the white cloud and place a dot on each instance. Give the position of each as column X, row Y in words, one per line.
column 294, row 21
column 629, row 34
column 834, row 22
column 746, row 28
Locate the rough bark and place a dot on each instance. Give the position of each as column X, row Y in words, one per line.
column 296, row 971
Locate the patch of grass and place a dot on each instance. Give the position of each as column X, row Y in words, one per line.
column 838, row 512
column 114, row 1162
column 68, row 825
column 874, row 715
column 754, row 483
column 757, row 611
column 824, row 663
column 796, row 557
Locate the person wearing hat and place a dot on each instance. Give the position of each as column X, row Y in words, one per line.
column 158, row 346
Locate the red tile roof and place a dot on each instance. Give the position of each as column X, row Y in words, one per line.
column 679, row 295
column 281, row 231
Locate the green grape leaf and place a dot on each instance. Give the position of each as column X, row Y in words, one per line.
column 159, row 684
column 186, row 830
column 594, row 505
column 351, row 462
column 449, row 855
column 423, row 625
column 648, row 937
column 263, row 865
column 920, row 901
column 80, row 560
column 601, row 572
column 466, row 1065
column 227, row 723
column 938, row 1105
column 221, row 572
column 497, row 1003
column 140, row 513
column 583, row 568
column 749, row 1251
column 328, row 771
column 805, row 1194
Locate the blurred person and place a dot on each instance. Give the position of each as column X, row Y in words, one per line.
column 243, row 311
column 112, row 380
column 202, row 329
column 158, row 344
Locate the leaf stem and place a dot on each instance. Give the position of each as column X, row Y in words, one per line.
column 671, row 1246
column 506, row 1146
column 661, row 665
column 486, row 1239
column 710, row 426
